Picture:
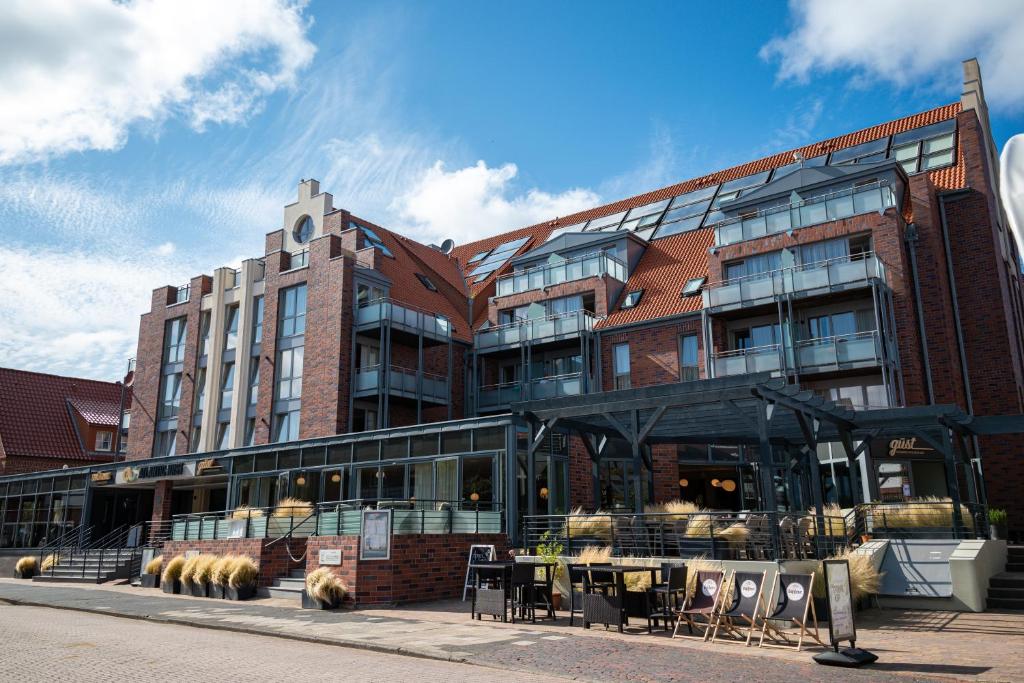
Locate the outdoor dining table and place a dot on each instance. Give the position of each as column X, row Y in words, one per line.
column 601, row 606
column 492, row 586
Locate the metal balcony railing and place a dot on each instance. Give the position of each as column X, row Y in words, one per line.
column 861, row 349
column 845, row 272
column 405, row 316
column 575, row 268
column 183, row 294
column 554, row 386
column 876, row 196
column 401, row 382
column 549, row 328
column 298, row 259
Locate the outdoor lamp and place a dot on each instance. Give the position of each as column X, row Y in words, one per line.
column 336, row 477
column 474, row 496
column 729, row 485
column 300, row 480
column 684, row 482
column 544, row 492
column 716, row 483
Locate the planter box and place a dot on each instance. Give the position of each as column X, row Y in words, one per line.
column 215, row 590
column 28, row 574
column 196, row 590
column 309, row 602
column 150, row 580
column 172, row 587
column 240, row 593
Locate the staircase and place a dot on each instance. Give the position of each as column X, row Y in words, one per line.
column 289, row 587
column 1006, row 590
column 91, row 566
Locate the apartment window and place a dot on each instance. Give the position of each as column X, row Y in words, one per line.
column 286, row 426
column 757, row 336
column 250, row 432
column 689, row 363
column 257, row 322
column 693, row 285
column 926, row 147
column 759, row 264
column 293, row 312
column 289, row 373
column 170, row 396
column 231, row 328
column 565, row 304
column 200, row 390
column 632, row 299
column 204, row 333
column 834, row 325
column 223, row 436
column 164, row 444
column 254, row 381
column 425, row 281
column 620, row 360
column 367, row 356
column 104, row 441
column 195, row 442
column 511, row 315
column 174, row 340
column 227, row 383
column 367, row 293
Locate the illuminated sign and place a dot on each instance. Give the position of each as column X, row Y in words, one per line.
column 908, row 446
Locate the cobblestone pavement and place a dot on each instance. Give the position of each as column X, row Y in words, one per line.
column 76, row 646
column 916, row 646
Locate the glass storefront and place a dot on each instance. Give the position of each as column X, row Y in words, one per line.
column 35, row 512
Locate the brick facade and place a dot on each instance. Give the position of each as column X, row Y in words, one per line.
column 274, row 561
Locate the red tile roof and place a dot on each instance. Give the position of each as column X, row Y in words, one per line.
column 667, row 303
column 36, row 412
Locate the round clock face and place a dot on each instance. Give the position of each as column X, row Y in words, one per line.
column 304, row 230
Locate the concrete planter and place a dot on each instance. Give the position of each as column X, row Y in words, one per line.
column 150, row 580
column 172, row 587
column 215, row 590
column 27, row 574
column 196, row 590
column 309, row 602
column 240, row 593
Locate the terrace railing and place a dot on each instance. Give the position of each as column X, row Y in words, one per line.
column 403, row 382
column 554, row 386
column 860, row 349
column 575, row 268
column 920, row 519
column 405, row 316
column 548, row 328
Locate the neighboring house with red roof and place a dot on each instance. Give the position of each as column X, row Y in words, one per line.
column 50, row 421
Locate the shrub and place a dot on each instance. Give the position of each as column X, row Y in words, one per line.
column 677, row 510
column 593, row 555
column 188, row 569
column 48, row 562
column 172, row 572
column 26, row 564
column 930, row 512
column 579, row 524
column 244, row 571
column 204, row 568
column 734, row 534
column 292, row 507
column 698, row 525
column 154, row 565
column 996, row 516
column 864, row 578
column 834, row 521
column 246, row 512
column 220, row 573
column 325, row 586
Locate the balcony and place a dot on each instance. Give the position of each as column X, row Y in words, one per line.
column 843, row 352
column 404, row 318
column 182, row 295
column 577, row 268
column 499, row 396
column 556, row 327
column 822, row 277
column 876, row 196
column 298, row 259
column 402, row 382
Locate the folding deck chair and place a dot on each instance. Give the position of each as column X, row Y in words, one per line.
column 793, row 603
column 742, row 601
column 703, row 603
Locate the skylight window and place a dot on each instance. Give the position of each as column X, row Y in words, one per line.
column 606, row 222
column 693, row 286
column 866, row 153
column 632, row 299
column 374, row 240
column 497, row 257
column 479, row 256
column 426, row 282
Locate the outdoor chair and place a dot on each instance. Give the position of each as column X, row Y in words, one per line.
column 631, row 535
column 742, row 603
column 669, row 596
column 804, row 541
column 787, row 537
column 491, row 593
column 576, row 574
column 759, row 541
column 528, row 592
column 790, row 600
column 703, row 603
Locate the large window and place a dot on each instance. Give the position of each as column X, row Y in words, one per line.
column 174, row 340
column 286, row 426
column 926, row 147
column 758, row 264
column 200, row 390
column 257, row 320
column 231, row 327
column 170, row 396
column 164, row 444
column 254, row 381
column 293, row 311
column 689, row 363
column 289, row 373
column 227, row 385
column 204, row 333
column 620, row 361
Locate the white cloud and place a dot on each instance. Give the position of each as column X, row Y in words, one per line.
column 76, row 76
column 474, row 202
column 75, row 313
column 907, row 43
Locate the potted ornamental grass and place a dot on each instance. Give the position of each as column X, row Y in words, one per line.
column 242, row 580
column 324, row 590
column 202, row 574
column 151, row 572
column 188, row 575
column 220, row 574
column 26, row 567
column 291, row 515
column 170, row 580
column 865, row 580
column 997, row 524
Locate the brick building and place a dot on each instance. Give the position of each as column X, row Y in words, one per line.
column 348, row 362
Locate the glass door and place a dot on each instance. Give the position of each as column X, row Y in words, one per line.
column 447, row 482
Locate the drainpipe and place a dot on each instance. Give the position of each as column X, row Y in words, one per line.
column 960, row 331
column 911, row 239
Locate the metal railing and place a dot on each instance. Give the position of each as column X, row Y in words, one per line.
column 552, row 386
column 183, row 294
column 403, row 382
column 843, row 272
column 114, row 555
column 876, row 196
column 298, row 259
column 403, row 315
column 919, row 519
column 575, row 268
column 551, row 327
column 859, row 349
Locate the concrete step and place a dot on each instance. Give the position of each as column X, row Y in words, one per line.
column 1015, row 567
column 289, row 584
column 285, row 593
column 67, row 579
column 1011, row 593
column 297, row 574
column 1007, row 580
column 1006, row 603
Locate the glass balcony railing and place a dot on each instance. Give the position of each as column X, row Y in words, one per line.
column 405, row 316
column 298, row 259
column 183, row 294
column 845, row 272
column 861, row 349
column 401, row 382
column 875, row 196
column 499, row 396
column 576, row 268
column 549, row 328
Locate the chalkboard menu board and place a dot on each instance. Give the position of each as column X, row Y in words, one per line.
column 477, row 553
column 840, row 602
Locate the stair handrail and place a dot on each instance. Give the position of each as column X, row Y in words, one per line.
column 69, row 539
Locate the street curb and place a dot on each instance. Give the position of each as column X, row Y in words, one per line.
column 353, row 644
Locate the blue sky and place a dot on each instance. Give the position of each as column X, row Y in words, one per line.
column 144, row 143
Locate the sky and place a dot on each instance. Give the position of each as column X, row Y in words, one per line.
column 143, row 143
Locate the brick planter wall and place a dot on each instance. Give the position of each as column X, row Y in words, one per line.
column 422, row 566
column 274, row 562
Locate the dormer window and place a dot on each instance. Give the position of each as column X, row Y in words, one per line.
column 374, row 241
column 693, row 286
column 632, row 299
column 425, row 281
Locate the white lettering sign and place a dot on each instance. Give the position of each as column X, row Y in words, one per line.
column 330, row 557
column 795, row 592
column 748, row 588
column 709, row 587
